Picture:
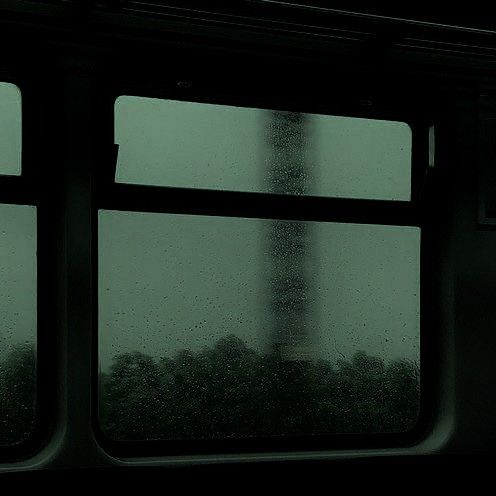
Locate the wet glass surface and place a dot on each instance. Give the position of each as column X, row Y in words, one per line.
column 218, row 327
column 220, row 147
column 17, row 323
column 10, row 129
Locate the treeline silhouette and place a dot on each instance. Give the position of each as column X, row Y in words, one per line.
column 227, row 391
column 17, row 394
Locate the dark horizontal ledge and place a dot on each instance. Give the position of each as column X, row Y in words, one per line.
column 256, row 205
column 246, row 446
column 17, row 190
column 358, row 17
column 462, row 32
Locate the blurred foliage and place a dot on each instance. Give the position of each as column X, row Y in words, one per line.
column 227, row 391
column 230, row 390
column 17, row 394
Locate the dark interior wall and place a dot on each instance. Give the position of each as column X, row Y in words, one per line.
column 465, row 363
column 475, row 289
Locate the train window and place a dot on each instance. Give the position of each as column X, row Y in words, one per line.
column 10, row 129
column 18, row 316
column 218, row 327
column 221, row 147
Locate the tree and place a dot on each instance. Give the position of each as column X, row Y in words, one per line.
column 130, row 394
column 17, row 394
column 229, row 390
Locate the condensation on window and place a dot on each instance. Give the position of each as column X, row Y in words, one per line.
column 10, row 129
column 18, row 312
column 219, row 328
column 221, row 147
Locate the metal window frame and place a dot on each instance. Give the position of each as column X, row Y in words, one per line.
column 404, row 104
column 485, row 159
column 30, row 188
column 73, row 78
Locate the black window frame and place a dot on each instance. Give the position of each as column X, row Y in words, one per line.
column 34, row 187
column 213, row 80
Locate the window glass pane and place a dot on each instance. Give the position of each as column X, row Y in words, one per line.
column 17, row 322
column 192, row 145
column 216, row 327
column 10, row 129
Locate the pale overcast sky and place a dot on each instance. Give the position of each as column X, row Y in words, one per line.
column 10, row 129
column 17, row 275
column 169, row 282
column 17, row 235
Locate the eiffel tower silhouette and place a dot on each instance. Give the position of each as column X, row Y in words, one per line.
column 289, row 243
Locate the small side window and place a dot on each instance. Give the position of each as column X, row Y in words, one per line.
column 10, row 129
column 222, row 328
column 226, row 326
column 18, row 328
column 221, row 147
